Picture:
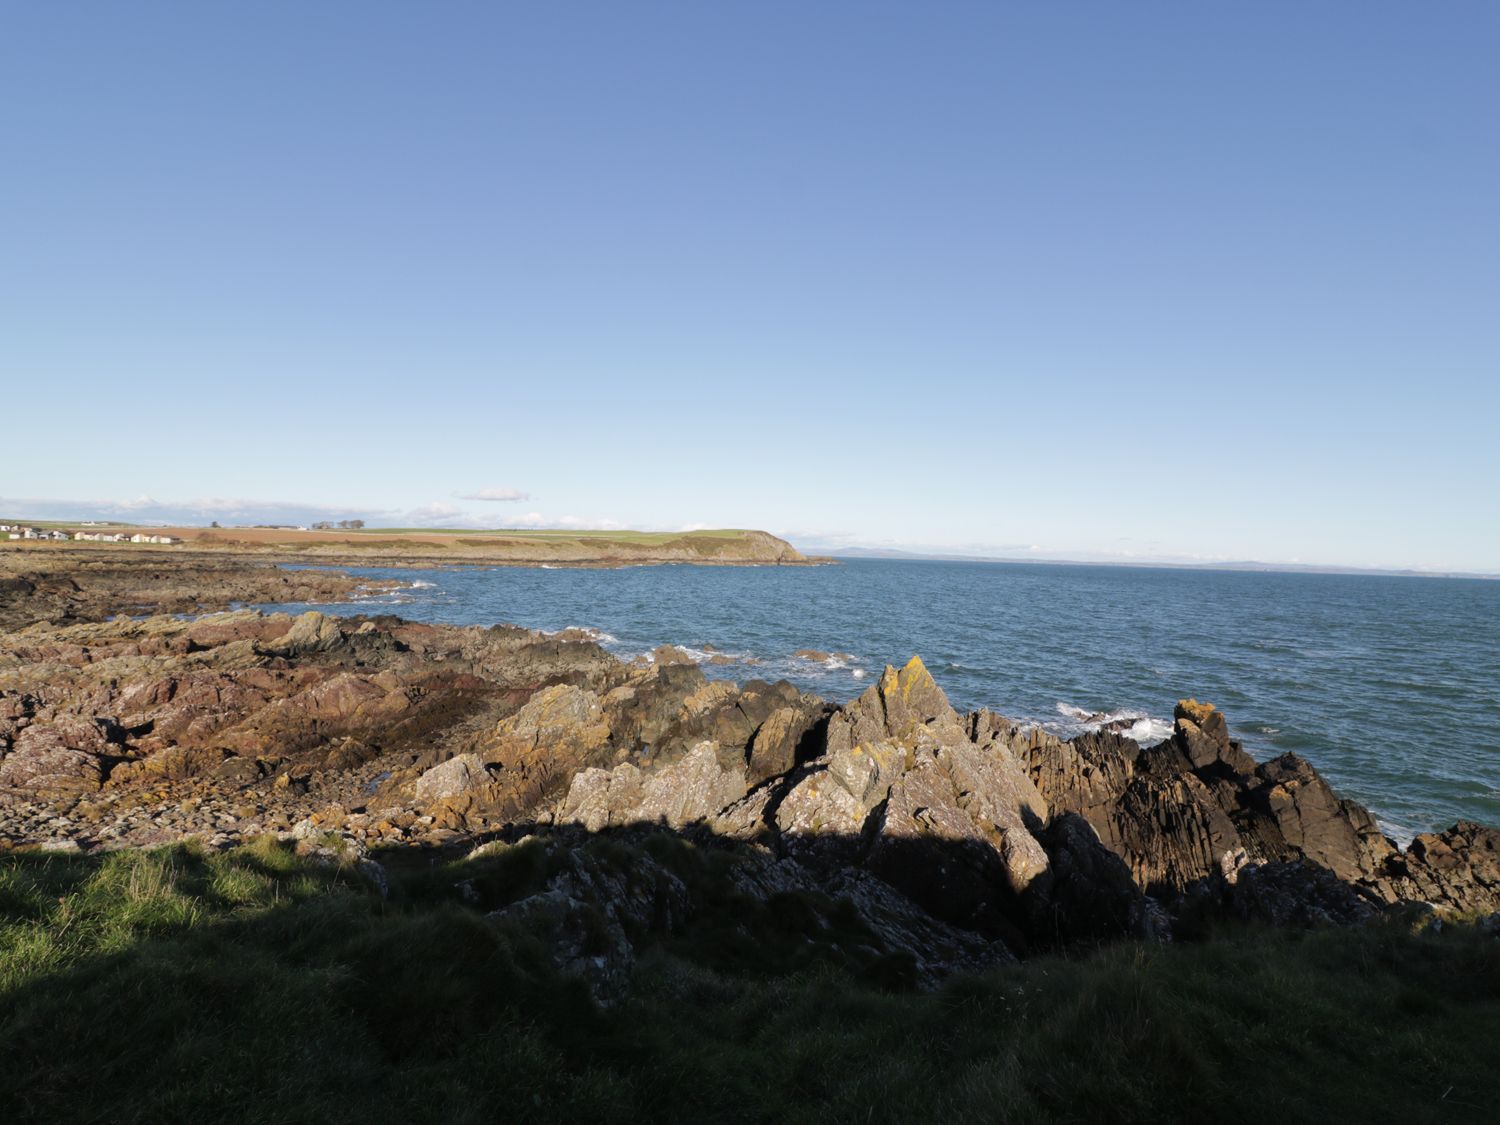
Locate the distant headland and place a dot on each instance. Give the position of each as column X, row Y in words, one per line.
column 351, row 542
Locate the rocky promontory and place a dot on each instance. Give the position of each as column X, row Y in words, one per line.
column 64, row 585
column 958, row 840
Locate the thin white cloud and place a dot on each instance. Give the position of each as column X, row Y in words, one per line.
column 440, row 514
column 232, row 510
column 502, row 495
column 537, row 521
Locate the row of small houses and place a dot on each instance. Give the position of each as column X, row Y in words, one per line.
column 120, row 537
column 22, row 531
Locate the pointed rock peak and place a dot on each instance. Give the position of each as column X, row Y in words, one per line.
column 1193, row 718
column 920, row 693
column 911, row 699
column 896, row 709
column 1193, row 710
column 915, row 677
column 1202, row 734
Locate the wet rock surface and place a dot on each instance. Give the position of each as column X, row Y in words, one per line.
column 957, row 840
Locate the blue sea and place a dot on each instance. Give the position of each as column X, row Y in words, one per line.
column 1390, row 686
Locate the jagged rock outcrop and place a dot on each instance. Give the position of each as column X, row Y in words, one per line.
column 1174, row 812
column 458, row 774
column 1298, row 893
column 691, row 790
column 905, row 708
column 599, row 910
column 1456, row 870
column 1092, row 894
column 1201, row 736
column 670, row 708
column 1293, row 811
column 588, row 912
column 789, row 734
column 900, row 791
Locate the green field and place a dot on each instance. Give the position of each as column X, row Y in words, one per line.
column 642, row 538
column 255, row 986
column 550, row 535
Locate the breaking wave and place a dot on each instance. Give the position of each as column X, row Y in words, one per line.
column 583, row 633
column 1137, row 725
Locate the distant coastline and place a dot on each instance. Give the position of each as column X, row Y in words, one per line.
column 444, row 546
column 1241, row 566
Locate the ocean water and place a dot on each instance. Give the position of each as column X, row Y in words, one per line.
column 1390, row 686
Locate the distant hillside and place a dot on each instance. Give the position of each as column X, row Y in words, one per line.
column 535, row 548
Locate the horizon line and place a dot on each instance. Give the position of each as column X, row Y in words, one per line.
column 1238, row 566
column 853, row 550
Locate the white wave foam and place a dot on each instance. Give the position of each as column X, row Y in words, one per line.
column 1136, row 725
column 829, row 661
column 586, row 632
column 715, row 655
column 383, row 597
column 1403, row 834
column 420, row 585
column 1149, row 731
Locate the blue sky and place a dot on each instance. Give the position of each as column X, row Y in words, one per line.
column 1155, row 281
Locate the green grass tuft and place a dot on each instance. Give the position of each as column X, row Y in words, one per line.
column 176, row 985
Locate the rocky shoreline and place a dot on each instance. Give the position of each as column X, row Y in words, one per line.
column 64, row 586
column 962, row 840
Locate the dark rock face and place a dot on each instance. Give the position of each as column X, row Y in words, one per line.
column 1087, row 776
column 1170, row 832
column 1175, row 811
column 1294, row 812
column 1092, row 894
column 960, row 841
column 588, row 912
column 1456, row 870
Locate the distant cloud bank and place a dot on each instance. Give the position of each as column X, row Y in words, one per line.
column 239, row 510
column 496, row 494
column 224, row 509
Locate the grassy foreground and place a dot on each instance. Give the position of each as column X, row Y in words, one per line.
column 256, row 986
